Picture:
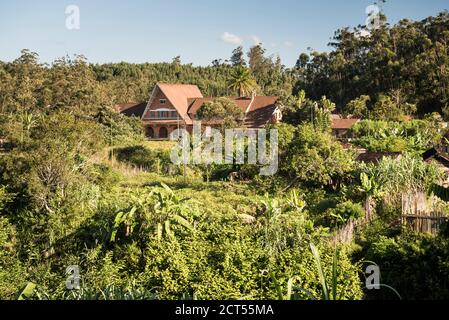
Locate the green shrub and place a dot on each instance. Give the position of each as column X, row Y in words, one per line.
column 414, row 136
column 340, row 214
column 416, row 265
column 12, row 274
column 157, row 161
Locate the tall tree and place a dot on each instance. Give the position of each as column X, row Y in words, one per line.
column 237, row 58
column 242, row 82
column 259, row 64
column 224, row 111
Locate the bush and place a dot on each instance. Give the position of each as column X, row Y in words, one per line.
column 166, row 245
column 414, row 136
column 315, row 158
column 340, row 213
column 149, row 160
column 416, row 265
column 12, row 273
column 119, row 129
column 5, row 197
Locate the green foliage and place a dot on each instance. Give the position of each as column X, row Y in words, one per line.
column 222, row 110
column 5, row 197
column 387, row 108
column 237, row 58
column 315, row 158
column 358, row 107
column 301, row 110
column 415, row 265
column 242, row 82
column 400, row 67
column 148, row 234
column 149, row 160
column 409, row 174
column 415, row 136
column 12, row 272
column 27, row 292
column 162, row 217
column 165, row 246
column 369, row 187
column 342, row 213
column 119, row 129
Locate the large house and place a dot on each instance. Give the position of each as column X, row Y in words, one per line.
column 174, row 106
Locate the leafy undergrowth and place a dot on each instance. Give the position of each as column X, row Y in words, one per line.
column 151, row 236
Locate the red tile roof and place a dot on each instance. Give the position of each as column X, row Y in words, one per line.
column 132, row 109
column 180, row 95
column 343, row 123
column 260, row 117
column 242, row 102
column 258, row 110
column 376, row 157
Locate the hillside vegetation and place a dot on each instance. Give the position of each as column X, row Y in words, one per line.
column 80, row 186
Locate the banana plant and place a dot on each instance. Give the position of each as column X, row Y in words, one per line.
column 126, row 218
column 171, row 209
column 33, row 292
column 295, row 202
column 370, row 187
column 160, row 210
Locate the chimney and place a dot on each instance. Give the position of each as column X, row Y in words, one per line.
column 253, row 97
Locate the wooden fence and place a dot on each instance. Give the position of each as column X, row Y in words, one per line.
column 419, row 215
column 345, row 234
column 424, row 222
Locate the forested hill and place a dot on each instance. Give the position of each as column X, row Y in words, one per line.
column 408, row 62
column 391, row 71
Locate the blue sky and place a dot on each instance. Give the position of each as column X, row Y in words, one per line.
column 197, row 30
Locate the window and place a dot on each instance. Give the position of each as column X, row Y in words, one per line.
column 162, row 101
column 149, row 131
column 163, row 114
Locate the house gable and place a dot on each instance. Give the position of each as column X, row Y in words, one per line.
column 158, row 102
column 161, row 101
column 171, row 98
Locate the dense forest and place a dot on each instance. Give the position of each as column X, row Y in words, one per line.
column 80, row 186
column 396, row 70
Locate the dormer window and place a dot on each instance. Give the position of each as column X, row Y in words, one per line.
column 162, row 101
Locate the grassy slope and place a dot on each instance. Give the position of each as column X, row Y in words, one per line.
column 239, row 197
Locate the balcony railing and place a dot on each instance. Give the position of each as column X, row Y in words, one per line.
column 163, row 115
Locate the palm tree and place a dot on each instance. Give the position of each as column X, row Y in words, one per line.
column 242, row 81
